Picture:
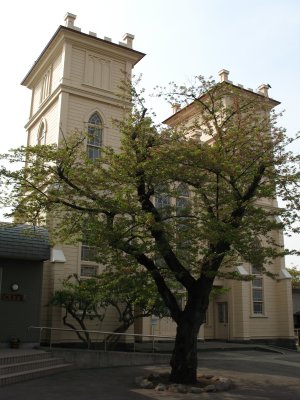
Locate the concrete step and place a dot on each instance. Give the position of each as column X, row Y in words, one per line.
column 22, row 365
column 8, row 379
column 29, row 365
column 19, row 357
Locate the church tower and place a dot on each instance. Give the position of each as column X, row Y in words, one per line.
column 75, row 83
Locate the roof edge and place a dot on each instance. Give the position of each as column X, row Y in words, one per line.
column 64, row 28
column 270, row 99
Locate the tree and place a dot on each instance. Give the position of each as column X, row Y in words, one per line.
column 81, row 299
column 295, row 273
column 224, row 151
column 130, row 291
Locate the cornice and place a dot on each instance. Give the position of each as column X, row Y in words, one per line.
column 102, row 95
column 110, row 99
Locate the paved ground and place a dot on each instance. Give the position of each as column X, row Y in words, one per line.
column 258, row 375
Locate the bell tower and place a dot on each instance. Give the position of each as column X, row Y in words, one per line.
column 75, row 81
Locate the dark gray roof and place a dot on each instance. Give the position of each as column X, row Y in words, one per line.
column 24, row 242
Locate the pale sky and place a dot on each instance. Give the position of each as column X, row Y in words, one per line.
column 258, row 41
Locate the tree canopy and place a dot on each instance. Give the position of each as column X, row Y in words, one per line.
column 295, row 273
column 187, row 202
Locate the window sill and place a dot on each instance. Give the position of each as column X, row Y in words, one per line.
column 86, row 262
column 258, row 316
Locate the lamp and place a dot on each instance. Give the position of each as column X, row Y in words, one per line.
column 14, row 287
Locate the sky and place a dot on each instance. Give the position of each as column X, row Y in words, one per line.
column 258, row 41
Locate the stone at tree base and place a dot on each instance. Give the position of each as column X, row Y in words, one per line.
column 161, row 387
column 220, row 387
column 173, row 387
column 182, row 388
column 154, row 375
column 195, row 389
column 209, row 388
column 146, row 384
column 205, row 383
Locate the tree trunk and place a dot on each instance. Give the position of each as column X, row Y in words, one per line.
column 184, row 357
column 112, row 340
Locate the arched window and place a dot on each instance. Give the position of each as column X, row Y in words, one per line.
column 162, row 199
column 94, row 140
column 183, row 222
column 182, row 199
column 41, row 137
column 257, row 291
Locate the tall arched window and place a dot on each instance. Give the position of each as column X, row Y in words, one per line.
column 41, row 137
column 162, row 198
column 94, row 140
column 182, row 199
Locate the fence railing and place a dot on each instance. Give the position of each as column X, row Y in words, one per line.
column 103, row 338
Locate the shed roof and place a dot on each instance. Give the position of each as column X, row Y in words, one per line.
column 24, row 242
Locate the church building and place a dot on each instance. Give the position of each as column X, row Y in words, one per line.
column 75, row 83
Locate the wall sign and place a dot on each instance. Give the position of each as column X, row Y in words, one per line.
column 12, row 297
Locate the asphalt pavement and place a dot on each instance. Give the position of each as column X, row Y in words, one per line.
column 258, row 375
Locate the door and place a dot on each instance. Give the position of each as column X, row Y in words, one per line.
column 222, row 321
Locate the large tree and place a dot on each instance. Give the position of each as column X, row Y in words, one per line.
column 186, row 203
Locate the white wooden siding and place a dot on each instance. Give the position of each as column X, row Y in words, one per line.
column 77, row 66
column 57, row 72
column 36, row 93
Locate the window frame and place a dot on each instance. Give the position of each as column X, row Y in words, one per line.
column 257, row 293
column 94, row 141
column 222, row 312
column 41, row 135
column 85, row 249
column 84, row 265
column 87, row 261
column 182, row 200
column 46, row 85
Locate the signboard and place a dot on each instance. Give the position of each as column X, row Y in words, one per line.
column 12, row 297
